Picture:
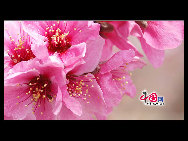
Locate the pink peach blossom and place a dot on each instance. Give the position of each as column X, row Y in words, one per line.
column 114, row 78
column 71, row 41
column 154, row 36
column 158, row 36
column 83, row 98
column 30, row 91
column 17, row 45
column 74, row 97
column 49, row 69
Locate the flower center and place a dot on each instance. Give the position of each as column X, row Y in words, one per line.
column 39, row 92
column 58, row 40
column 79, row 87
column 20, row 51
column 40, row 88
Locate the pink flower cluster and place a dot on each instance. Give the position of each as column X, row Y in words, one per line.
column 56, row 70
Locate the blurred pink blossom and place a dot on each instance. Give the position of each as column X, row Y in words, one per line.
column 117, row 33
column 157, row 36
column 154, row 36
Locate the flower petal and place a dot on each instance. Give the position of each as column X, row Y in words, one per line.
column 124, row 82
column 135, row 63
column 58, row 103
column 130, row 87
column 11, row 31
column 39, row 49
column 21, row 77
column 11, row 108
column 92, row 99
column 164, row 34
column 30, row 116
column 45, row 111
column 127, row 28
column 107, row 50
column 24, row 66
column 93, row 50
column 121, row 43
column 72, row 104
column 121, row 57
column 7, row 118
column 156, row 57
column 35, row 29
column 67, row 114
column 81, row 31
column 110, row 91
column 74, row 54
column 7, row 67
